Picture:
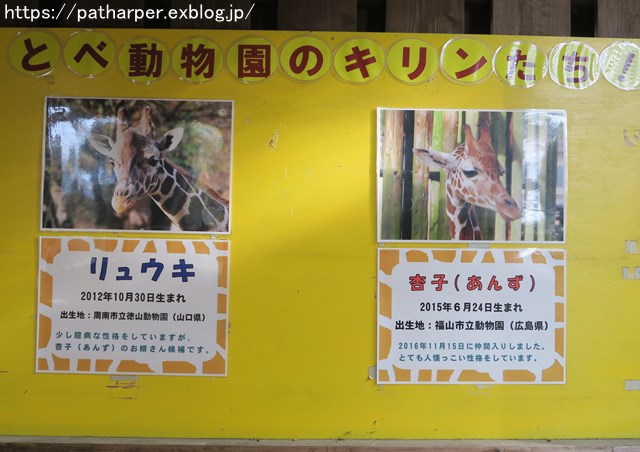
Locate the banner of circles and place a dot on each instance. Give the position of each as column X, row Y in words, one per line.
column 464, row 60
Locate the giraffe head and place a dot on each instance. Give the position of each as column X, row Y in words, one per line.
column 135, row 155
column 473, row 174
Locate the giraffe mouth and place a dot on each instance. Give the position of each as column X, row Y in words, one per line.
column 510, row 210
column 122, row 203
column 511, row 216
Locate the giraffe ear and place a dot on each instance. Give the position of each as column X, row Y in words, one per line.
column 170, row 140
column 485, row 136
column 101, row 143
column 435, row 159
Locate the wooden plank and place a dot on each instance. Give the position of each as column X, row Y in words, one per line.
column 532, row 17
column 618, row 19
column 222, row 15
column 438, row 227
column 420, row 192
column 500, row 145
column 451, row 127
column 407, row 173
column 425, row 16
column 516, row 138
column 551, row 194
column 392, row 125
column 530, row 174
column 317, row 15
column 477, row 17
column 542, row 135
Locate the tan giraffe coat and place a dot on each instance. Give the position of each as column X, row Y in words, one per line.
column 473, row 179
column 141, row 169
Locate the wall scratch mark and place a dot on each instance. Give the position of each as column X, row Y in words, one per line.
column 273, row 142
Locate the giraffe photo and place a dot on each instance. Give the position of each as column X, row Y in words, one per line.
column 468, row 175
column 137, row 164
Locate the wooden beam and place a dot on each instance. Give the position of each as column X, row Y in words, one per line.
column 531, row 17
column 618, row 19
column 317, row 15
column 425, row 16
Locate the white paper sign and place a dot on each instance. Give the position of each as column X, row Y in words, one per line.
column 130, row 306
column 471, row 316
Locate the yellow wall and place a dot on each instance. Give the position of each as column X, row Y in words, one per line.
column 303, row 268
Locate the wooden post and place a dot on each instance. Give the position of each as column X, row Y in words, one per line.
column 438, row 227
column 450, row 138
column 317, row 15
column 391, row 211
column 516, row 138
column 532, row 17
column 407, row 173
column 420, row 193
column 550, row 185
column 425, row 16
column 618, row 19
column 501, row 145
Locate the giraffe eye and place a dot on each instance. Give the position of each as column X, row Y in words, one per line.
column 153, row 161
column 470, row 173
column 500, row 169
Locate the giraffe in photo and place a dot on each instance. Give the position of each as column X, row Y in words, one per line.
column 141, row 169
column 473, row 179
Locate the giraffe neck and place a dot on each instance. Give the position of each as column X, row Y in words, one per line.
column 463, row 221
column 188, row 207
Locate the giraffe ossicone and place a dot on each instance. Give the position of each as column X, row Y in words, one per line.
column 141, row 169
column 473, row 179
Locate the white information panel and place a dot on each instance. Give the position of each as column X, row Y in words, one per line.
column 471, row 316
column 133, row 306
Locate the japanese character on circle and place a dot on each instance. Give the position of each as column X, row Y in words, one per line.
column 93, row 53
column 200, row 60
column 516, row 59
column 31, row 53
column 254, row 60
column 422, row 61
column 300, row 57
column 574, row 63
column 359, row 59
column 145, row 60
column 475, row 67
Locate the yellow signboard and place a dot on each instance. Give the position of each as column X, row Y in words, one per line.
column 303, row 280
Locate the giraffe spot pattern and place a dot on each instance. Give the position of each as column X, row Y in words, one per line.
column 174, row 204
